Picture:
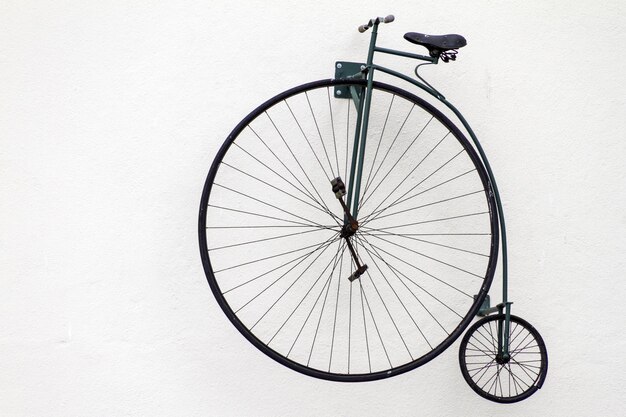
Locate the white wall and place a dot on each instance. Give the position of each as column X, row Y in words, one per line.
column 111, row 113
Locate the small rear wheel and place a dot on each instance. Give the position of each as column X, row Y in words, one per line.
column 494, row 377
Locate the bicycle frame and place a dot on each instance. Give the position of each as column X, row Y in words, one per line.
column 356, row 167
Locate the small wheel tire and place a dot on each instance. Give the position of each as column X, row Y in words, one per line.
column 498, row 380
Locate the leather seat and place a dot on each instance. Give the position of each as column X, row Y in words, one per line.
column 436, row 44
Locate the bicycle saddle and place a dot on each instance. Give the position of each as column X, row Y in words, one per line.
column 436, row 44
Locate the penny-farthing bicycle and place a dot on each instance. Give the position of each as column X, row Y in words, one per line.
column 350, row 231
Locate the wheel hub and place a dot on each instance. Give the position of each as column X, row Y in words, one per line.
column 501, row 358
column 349, row 229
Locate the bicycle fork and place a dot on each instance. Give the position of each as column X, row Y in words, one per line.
column 360, row 133
column 362, row 103
column 503, row 355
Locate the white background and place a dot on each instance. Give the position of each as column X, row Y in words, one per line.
column 111, row 113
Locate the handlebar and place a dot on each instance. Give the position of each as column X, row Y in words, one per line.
column 376, row 21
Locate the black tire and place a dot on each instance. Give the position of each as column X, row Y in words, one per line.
column 509, row 381
column 439, row 262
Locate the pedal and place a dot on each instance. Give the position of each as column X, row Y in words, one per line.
column 357, row 274
column 339, row 188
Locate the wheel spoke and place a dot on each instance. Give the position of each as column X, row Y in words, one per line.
column 430, row 257
column 300, row 303
column 249, row 242
column 321, row 200
column 336, row 260
column 380, row 141
column 409, row 237
column 286, row 291
column 410, row 172
column 332, row 342
column 328, row 242
column 323, row 247
column 320, row 135
column 390, row 147
column 362, row 203
column 306, row 138
column 397, row 271
column 268, row 217
column 317, row 207
column 369, row 309
column 332, row 126
column 258, row 200
column 443, row 219
column 389, row 313
column 369, row 360
column 400, row 300
column 445, row 200
column 302, row 188
column 265, row 258
column 412, row 188
column 401, row 200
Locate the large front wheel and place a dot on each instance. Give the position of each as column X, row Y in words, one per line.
column 270, row 231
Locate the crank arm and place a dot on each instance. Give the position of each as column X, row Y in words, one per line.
column 360, row 269
column 349, row 228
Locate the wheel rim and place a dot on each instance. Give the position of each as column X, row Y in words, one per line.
column 494, row 377
column 270, row 234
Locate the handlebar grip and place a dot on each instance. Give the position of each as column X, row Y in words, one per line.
column 376, row 21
